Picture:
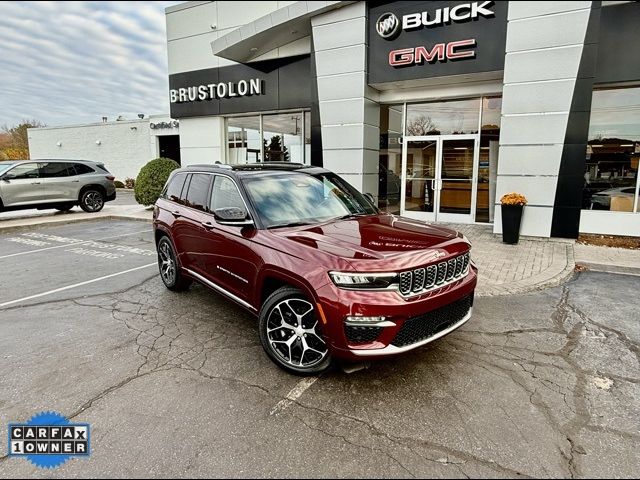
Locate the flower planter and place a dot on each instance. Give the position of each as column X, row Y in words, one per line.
column 511, row 219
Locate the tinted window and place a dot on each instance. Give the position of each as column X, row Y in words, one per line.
column 174, row 189
column 198, row 192
column 55, row 170
column 82, row 169
column 26, row 170
column 102, row 168
column 225, row 194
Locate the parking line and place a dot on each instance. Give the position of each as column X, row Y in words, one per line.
column 295, row 393
column 75, row 285
column 79, row 242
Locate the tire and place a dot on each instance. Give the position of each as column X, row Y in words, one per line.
column 288, row 316
column 170, row 272
column 92, row 200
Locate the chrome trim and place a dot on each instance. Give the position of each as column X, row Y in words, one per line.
column 370, row 324
column 209, row 283
column 393, row 350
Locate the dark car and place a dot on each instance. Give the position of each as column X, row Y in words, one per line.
column 327, row 274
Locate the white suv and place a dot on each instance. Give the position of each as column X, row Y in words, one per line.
column 59, row 184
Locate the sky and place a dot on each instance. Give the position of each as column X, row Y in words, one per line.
column 75, row 62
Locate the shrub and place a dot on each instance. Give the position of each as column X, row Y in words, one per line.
column 119, row 184
column 152, row 178
column 129, row 182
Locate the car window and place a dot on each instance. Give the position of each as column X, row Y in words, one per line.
column 82, row 169
column 174, row 189
column 198, row 192
column 225, row 194
column 55, row 170
column 25, row 170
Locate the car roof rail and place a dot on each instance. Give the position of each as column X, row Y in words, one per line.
column 270, row 166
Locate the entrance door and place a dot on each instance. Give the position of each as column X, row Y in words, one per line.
column 439, row 174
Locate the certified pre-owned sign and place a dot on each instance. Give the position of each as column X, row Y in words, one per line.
column 436, row 35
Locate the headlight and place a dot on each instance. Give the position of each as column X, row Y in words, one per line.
column 364, row 280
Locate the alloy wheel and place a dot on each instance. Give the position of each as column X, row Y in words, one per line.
column 294, row 334
column 93, row 200
column 167, row 264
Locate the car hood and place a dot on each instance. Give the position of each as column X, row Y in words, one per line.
column 398, row 241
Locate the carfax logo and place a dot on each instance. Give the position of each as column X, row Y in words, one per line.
column 49, row 439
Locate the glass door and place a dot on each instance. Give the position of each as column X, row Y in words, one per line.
column 418, row 198
column 457, row 160
column 439, row 173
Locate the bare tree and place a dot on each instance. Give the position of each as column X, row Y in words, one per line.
column 422, row 125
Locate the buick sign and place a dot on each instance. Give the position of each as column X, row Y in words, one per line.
column 388, row 26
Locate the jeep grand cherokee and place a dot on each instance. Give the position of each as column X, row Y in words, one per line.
column 328, row 275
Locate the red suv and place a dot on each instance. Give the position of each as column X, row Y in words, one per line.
column 328, row 275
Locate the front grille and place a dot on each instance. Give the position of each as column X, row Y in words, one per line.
column 405, row 282
column 418, row 280
column 442, row 272
column 422, row 279
column 425, row 326
column 451, row 269
column 432, row 271
column 357, row 334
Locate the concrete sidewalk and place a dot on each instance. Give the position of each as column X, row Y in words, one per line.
column 532, row 264
column 10, row 221
column 608, row 259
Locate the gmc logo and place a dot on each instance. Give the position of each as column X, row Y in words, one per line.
column 440, row 52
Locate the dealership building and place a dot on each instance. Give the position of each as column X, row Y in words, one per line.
column 435, row 108
column 123, row 145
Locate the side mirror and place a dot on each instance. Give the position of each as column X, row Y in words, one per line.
column 7, row 176
column 232, row 216
column 369, row 197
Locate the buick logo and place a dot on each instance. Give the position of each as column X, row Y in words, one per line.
column 388, row 25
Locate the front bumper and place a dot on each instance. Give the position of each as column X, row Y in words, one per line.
column 390, row 338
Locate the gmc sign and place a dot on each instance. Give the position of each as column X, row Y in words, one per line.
column 440, row 52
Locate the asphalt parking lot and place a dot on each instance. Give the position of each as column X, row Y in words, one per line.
column 176, row 384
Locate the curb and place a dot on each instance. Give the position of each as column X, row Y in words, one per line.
column 607, row 268
column 68, row 221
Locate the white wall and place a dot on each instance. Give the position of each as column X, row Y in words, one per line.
column 125, row 146
column 544, row 46
column 190, row 32
column 349, row 114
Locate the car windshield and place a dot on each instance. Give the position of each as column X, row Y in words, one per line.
column 295, row 198
column 5, row 166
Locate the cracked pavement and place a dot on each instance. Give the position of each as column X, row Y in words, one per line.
column 176, row 384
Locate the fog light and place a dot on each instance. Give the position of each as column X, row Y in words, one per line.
column 368, row 321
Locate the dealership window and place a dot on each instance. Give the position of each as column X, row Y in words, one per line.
column 390, row 159
column 488, row 162
column 278, row 137
column 245, row 145
column 443, row 118
column 451, row 169
column 613, row 151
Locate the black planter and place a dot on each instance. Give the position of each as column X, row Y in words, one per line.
column 511, row 218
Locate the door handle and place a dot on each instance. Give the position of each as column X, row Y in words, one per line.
column 35, row 183
column 75, row 181
column 176, row 213
column 207, row 225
